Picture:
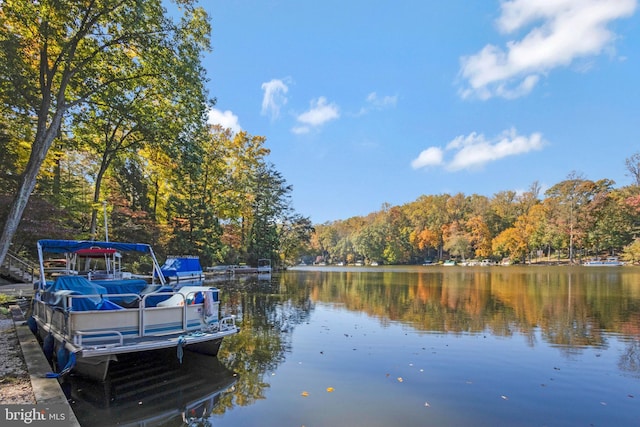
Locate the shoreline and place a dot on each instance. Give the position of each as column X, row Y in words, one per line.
column 23, row 366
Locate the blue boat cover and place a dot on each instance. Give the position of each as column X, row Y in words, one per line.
column 124, row 286
column 69, row 246
column 64, row 286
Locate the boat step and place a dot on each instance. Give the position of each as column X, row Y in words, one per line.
column 117, row 370
column 142, row 364
column 160, row 386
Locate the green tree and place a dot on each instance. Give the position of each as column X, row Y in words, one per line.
column 270, row 208
column 211, row 194
column 294, row 233
column 369, row 241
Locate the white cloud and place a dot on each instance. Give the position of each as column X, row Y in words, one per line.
column 566, row 30
column 300, row 130
column 226, row 119
column 374, row 102
column 318, row 114
column 432, row 156
column 386, row 101
column 474, row 150
column 274, row 97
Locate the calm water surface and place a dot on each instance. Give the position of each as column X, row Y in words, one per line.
column 404, row 346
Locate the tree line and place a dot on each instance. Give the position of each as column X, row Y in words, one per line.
column 103, row 125
column 573, row 219
column 104, row 111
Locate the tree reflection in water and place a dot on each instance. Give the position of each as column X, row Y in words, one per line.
column 267, row 312
column 569, row 308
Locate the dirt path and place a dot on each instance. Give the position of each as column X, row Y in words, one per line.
column 15, row 385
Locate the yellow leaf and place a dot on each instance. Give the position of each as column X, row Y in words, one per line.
column 400, row 379
column 329, row 389
column 305, row 394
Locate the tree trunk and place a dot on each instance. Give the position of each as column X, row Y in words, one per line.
column 43, row 140
column 96, row 199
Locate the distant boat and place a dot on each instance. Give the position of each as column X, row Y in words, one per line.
column 611, row 261
column 449, row 263
column 264, row 266
column 182, row 268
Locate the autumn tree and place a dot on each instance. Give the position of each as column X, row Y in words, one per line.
column 457, row 243
column 479, row 236
column 612, row 224
column 428, row 216
column 504, row 211
column 57, row 56
column 539, row 229
column 631, row 252
column 326, row 239
column 575, row 199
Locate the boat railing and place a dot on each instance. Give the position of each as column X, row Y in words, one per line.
column 185, row 309
column 77, row 339
column 143, row 307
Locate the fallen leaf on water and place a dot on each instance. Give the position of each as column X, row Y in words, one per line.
column 603, row 403
column 504, row 397
column 305, row 393
column 400, row 379
column 330, row 389
column 427, row 404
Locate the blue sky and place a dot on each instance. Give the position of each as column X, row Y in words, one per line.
column 372, row 102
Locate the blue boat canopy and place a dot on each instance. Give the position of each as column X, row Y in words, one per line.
column 69, row 246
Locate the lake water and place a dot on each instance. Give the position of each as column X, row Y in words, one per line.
column 403, row 346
